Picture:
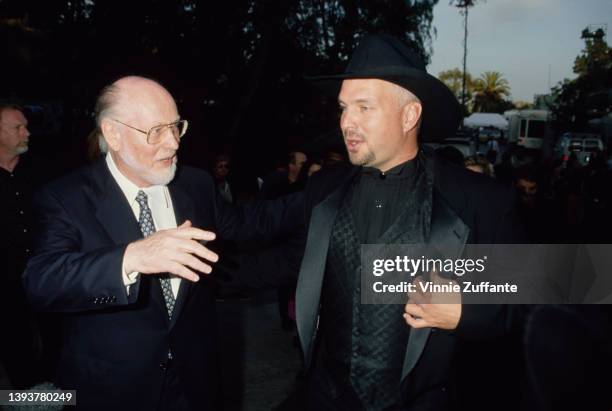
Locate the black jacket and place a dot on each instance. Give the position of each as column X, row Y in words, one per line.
column 468, row 208
column 115, row 345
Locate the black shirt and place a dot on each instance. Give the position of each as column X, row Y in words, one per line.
column 379, row 198
column 15, row 214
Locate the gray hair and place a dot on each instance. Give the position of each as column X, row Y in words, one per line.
column 105, row 104
column 10, row 106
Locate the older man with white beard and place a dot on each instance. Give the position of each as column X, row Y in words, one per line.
column 17, row 179
column 119, row 255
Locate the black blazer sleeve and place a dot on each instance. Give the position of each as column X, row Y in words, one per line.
column 60, row 276
column 260, row 220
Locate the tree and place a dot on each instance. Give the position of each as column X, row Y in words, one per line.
column 490, row 91
column 464, row 6
column 585, row 97
column 235, row 67
column 454, row 81
column 523, row 105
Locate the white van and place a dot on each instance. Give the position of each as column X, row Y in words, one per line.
column 528, row 128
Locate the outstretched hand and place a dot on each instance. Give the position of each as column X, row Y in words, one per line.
column 174, row 251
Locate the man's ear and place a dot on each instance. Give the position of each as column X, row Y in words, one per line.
column 111, row 134
column 411, row 115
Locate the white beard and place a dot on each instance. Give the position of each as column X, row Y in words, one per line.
column 169, row 175
column 154, row 178
column 21, row 149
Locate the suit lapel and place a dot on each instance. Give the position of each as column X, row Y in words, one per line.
column 448, row 236
column 117, row 219
column 312, row 270
column 113, row 210
column 183, row 210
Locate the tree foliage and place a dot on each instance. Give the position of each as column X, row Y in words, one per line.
column 236, row 67
column 491, row 90
column 487, row 93
column 586, row 96
column 454, row 79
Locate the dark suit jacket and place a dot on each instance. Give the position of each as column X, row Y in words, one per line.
column 467, row 208
column 115, row 345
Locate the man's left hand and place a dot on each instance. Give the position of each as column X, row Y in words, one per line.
column 429, row 309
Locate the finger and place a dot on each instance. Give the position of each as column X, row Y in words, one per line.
column 418, row 289
column 436, row 278
column 415, row 322
column 192, row 262
column 198, row 249
column 419, row 282
column 194, row 233
column 185, row 224
column 414, row 310
column 416, row 298
column 182, row 271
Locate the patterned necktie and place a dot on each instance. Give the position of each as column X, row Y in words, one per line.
column 147, row 226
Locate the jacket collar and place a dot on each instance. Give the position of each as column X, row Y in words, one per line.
column 115, row 215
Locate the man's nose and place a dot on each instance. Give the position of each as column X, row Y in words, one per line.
column 169, row 140
column 26, row 132
column 346, row 119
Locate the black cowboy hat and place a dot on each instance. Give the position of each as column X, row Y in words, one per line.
column 385, row 57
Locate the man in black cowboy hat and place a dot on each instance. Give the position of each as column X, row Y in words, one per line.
column 380, row 357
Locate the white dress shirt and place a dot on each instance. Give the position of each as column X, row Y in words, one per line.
column 162, row 210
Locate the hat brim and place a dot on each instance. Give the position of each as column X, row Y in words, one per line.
column 441, row 110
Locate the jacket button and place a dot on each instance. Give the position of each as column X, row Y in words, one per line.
column 163, row 366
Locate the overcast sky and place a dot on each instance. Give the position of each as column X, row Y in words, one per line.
column 522, row 39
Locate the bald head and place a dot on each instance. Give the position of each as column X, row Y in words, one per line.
column 128, row 94
column 125, row 112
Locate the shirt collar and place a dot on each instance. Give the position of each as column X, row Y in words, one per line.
column 403, row 170
column 129, row 189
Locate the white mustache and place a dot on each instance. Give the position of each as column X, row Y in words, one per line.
column 166, row 157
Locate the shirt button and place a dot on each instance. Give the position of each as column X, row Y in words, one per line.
column 21, row 212
column 16, row 193
column 25, row 230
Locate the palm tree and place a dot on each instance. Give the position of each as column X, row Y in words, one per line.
column 454, row 81
column 490, row 91
column 464, row 6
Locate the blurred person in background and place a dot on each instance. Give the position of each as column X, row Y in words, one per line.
column 20, row 344
column 479, row 164
column 221, row 171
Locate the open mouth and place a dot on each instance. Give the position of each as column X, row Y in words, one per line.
column 353, row 145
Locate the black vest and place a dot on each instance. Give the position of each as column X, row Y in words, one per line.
column 363, row 345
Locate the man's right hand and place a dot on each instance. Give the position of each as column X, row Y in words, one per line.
column 174, row 251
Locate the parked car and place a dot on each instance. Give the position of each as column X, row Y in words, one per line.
column 593, row 144
column 582, row 145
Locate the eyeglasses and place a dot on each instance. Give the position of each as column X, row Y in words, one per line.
column 155, row 134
